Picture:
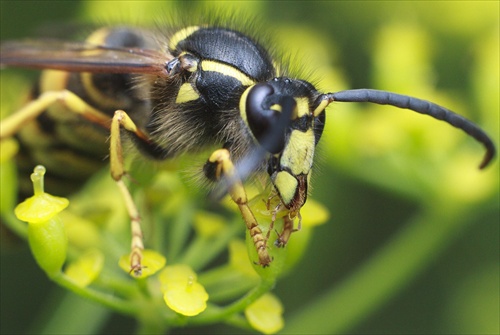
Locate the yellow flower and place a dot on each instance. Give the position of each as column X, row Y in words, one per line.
column 266, row 314
column 181, row 291
column 42, row 206
column 46, row 234
column 152, row 262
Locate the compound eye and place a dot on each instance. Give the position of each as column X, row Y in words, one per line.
column 267, row 125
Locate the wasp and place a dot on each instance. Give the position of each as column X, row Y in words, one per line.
column 200, row 86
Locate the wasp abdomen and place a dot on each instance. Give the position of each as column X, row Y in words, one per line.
column 71, row 147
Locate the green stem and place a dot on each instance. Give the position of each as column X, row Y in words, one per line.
column 385, row 274
column 110, row 301
column 116, row 285
column 225, row 283
column 181, row 228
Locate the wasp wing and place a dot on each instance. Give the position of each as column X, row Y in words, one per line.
column 82, row 57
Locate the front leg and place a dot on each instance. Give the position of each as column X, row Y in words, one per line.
column 219, row 166
column 288, row 229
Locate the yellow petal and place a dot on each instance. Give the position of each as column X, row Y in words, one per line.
column 40, row 208
column 187, row 298
column 177, row 272
column 152, row 262
column 265, row 314
column 181, row 292
column 87, row 268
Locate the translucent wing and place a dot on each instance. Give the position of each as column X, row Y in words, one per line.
column 82, row 57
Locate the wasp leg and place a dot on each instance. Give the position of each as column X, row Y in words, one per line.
column 12, row 124
column 121, row 119
column 222, row 166
column 287, row 230
column 74, row 104
column 273, row 220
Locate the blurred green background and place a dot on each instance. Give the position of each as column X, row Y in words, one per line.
column 444, row 51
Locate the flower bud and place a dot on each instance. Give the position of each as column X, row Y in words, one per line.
column 46, row 234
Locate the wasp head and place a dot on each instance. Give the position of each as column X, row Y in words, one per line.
column 283, row 116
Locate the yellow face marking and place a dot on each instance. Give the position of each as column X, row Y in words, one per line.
column 226, row 70
column 186, row 93
column 276, row 107
column 287, row 186
column 181, row 35
column 243, row 101
column 299, row 152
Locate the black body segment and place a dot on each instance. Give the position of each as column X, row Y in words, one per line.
column 229, row 47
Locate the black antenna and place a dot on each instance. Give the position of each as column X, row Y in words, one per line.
column 419, row 106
